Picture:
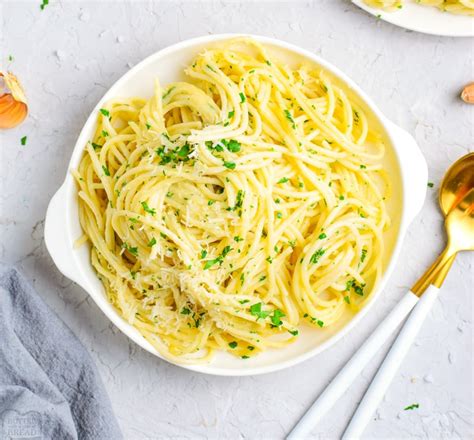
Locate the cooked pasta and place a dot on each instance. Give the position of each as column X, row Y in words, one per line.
column 226, row 211
column 465, row 7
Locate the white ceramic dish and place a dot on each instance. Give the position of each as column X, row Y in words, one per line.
column 404, row 161
column 428, row 20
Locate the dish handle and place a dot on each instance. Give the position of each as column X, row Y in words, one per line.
column 56, row 237
column 413, row 168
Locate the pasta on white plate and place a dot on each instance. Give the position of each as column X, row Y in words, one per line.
column 227, row 211
column 465, row 7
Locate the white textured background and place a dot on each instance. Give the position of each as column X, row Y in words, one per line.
column 69, row 54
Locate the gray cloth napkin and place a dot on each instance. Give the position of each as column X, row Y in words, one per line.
column 49, row 385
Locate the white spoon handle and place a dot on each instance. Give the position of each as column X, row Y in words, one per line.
column 353, row 368
column 390, row 365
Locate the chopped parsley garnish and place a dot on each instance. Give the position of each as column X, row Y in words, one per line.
column 105, row 112
column 245, row 357
column 210, row 202
column 145, row 206
column 232, row 145
column 179, row 153
column 352, row 284
column 256, row 310
column 359, row 289
column 430, row 184
column 363, row 255
column 106, row 170
column 322, row 236
column 242, row 97
column 347, row 299
column 203, row 254
column 231, row 114
column 23, row 140
column 233, row 344
column 292, row 243
column 341, row 197
column 132, row 250
column 229, row 165
column 244, row 301
column 237, row 238
column 219, row 259
column 250, row 347
column 293, row 332
column 105, row 133
column 44, row 4
column 217, row 147
column 185, row 311
column 283, row 180
column 275, row 318
column 240, row 198
column 411, row 407
column 152, row 242
column 183, row 151
column 316, row 256
column 262, row 278
column 320, row 323
column 290, row 118
column 279, row 214
column 268, row 62
column 363, row 167
column 269, row 259
column 95, row 146
column 147, row 125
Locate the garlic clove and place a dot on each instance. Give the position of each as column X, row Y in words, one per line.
column 467, row 94
column 13, row 105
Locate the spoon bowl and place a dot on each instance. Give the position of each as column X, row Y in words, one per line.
column 457, row 181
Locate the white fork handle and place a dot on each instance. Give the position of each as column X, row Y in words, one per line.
column 390, row 365
column 353, row 368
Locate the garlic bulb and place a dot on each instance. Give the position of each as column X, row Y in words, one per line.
column 13, row 106
column 467, row 94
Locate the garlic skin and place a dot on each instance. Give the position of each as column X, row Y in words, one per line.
column 13, row 105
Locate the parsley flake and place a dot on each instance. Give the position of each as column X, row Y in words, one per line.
column 316, row 256
column 256, row 310
column 145, row 206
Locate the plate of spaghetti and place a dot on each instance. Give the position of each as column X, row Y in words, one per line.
column 453, row 18
column 234, row 204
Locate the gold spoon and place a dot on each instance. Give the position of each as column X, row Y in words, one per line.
column 457, row 183
column 456, row 199
column 457, row 203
